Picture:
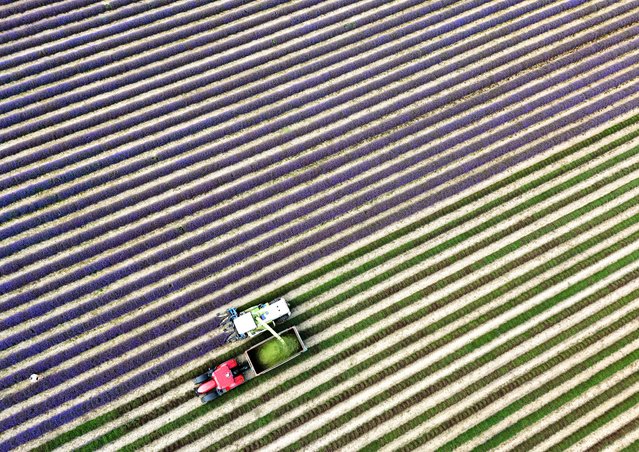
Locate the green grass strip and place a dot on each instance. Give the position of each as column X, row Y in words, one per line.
column 599, row 422
column 120, row 411
column 505, row 250
column 545, row 367
column 428, row 330
column 204, row 409
column 483, row 301
column 586, row 407
column 522, row 402
column 609, row 440
column 634, row 447
column 442, row 283
column 521, row 319
column 583, row 409
column 573, row 393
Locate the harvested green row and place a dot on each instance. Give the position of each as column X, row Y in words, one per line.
column 600, row 421
column 492, row 296
column 380, row 316
column 117, row 413
column 583, row 409
column 410, row 300
column 504, row 370
column 402, row 386
column 625, row 430
column 573, row 393
column 544, row 389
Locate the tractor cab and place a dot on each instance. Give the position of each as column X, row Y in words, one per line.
column 221, row 379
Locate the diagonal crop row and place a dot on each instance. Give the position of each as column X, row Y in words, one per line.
column 383, row 314
column 397, row 389
column 307, row 332
column 207, row 153
column 233, row 143
column 498, row 373
column 154, row 176
column 96, row 380
column 188, row 98
column 70, row 259
column 558, row 380
column 525, row 400
column 178, row 64
column 34, row 311
column 53, row 400
column 111, row 394
column 37, row 20
column 9, row 12
column 581, row 410
column 23, row 395
column 601, row 376
column 622, row 432
column 595, row 424
column 114, row 414
column 204, row 271
column 124, row 26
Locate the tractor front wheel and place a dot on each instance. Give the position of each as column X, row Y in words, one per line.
column 210, row 397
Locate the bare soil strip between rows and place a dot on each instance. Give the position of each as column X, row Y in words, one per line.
column 446, row 281
column 414, row 226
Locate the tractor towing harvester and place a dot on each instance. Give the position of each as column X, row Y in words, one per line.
column 268, row 354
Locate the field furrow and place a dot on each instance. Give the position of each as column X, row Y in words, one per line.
column 445, row 192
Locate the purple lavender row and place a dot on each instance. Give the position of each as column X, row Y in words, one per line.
column 187, row 98
column 110, row 395
column 113, row 352
column 125, row 19
column 202, row 188
column 212, row 217
column 25, row 26
column 97, row 379
column 486, row 173
column 23, row 6
column 16, row 228
column 100, row 68
column 19, row 16
column 220, row 213
column 215, row 119
column 295, row 230
column 97, row 149
column 307, row 259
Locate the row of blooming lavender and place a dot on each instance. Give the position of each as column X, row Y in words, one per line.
column 93, row 382
column 191, row 260
column 221, row 212
column 606, row 37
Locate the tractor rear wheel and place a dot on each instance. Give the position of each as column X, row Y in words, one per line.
column 202, row 378
column 210, row 397
column 239, row 370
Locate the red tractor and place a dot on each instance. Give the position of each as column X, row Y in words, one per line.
column 217, row 381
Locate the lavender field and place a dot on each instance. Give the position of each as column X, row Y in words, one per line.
column 446, row 191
